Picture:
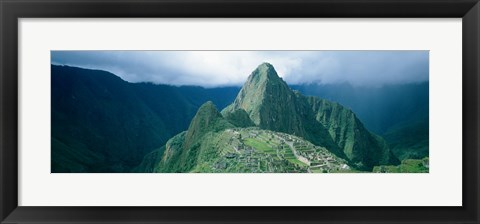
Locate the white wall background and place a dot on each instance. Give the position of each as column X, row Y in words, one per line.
column 442, row 186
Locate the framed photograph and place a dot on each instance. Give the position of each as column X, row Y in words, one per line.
column 239, row 112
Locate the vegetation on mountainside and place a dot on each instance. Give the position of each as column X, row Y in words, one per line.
column 101, row 123
column 407, row 166
column 409, row 141
column 399, row 113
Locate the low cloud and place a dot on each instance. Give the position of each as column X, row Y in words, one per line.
column 227, row 68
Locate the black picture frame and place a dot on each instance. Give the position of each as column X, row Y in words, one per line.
column 12, row 10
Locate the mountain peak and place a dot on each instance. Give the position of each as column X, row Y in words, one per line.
column 265, row 65
column 208, row 107
column 263, row 88
column 205, row 115
column 208, row 118
column 263, row 72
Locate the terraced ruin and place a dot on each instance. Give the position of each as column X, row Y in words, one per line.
column 262, row 151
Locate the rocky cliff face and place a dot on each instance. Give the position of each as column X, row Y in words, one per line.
column 272, row 105
column 362, row 148
column 260, row 96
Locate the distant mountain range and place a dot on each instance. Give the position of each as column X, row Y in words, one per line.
column 379, row 108
column 101, row 123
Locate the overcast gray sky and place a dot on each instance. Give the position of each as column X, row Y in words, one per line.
column 226, row 68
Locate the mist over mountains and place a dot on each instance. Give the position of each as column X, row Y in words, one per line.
column 231, row 68
column 101, row 123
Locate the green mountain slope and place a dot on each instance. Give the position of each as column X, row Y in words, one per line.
column 207, row 119
column 410, row 140
column 97, row 113
column 182, row 151
column 101, row 123
column 399, row 113
column 361, row 147
column 239, row 118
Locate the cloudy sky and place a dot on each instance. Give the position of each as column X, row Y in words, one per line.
column 227, row 68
